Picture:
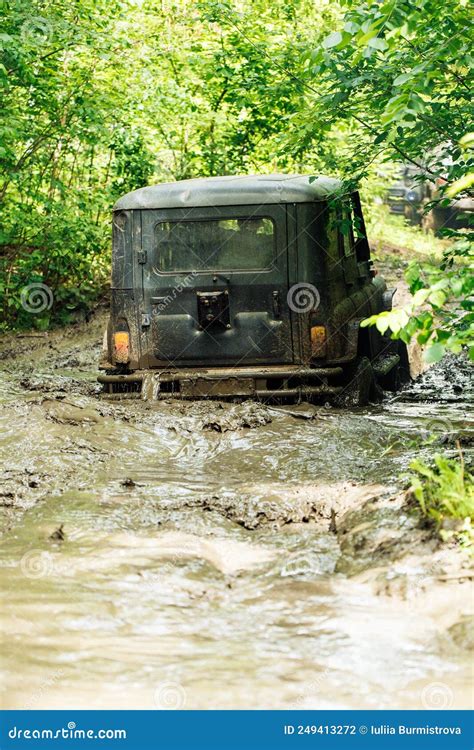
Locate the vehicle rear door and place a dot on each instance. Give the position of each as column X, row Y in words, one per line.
column 215, row 284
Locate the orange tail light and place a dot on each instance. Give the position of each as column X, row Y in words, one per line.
column 318, row 341
column 121, row 347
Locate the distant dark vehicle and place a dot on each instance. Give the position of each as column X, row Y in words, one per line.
column 409, row 197
column 405, row 196
column 246, row 287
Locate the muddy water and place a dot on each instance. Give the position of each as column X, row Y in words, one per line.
column 223, row 556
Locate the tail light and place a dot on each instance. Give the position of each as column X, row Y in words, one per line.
column 121, row 347
column 318, row 341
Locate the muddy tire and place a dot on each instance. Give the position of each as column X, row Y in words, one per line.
column 399, row 375
column 404, row 375
column 360, row 386
column 412, row 215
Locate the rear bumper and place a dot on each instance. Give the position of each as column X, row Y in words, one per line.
column 223, row 382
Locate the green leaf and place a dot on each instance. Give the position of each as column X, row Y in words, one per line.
column 332, row 40
column 365, row 38
column 420, row 296
column 434, row 353
column 401, row 79
column 382, row 324
column 351, row 27
column 381, row 137
column 378, row 43
column 437, row 298
column 464, row 183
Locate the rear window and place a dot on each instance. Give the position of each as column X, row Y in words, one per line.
column 243, row 244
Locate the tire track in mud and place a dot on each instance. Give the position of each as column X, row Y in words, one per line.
column 174, row 539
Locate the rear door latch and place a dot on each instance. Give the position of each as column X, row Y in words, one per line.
column 276, row 303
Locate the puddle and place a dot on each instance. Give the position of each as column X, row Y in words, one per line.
column 223, row 556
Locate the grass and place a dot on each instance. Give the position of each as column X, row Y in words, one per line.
column 445, row 493
column 389, row 233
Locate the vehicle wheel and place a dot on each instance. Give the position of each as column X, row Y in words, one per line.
column 404, row 366
column 400, row 374
column 360, row 385
column 411, row 214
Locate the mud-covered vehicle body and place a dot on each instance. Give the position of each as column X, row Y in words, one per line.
column 244, row 287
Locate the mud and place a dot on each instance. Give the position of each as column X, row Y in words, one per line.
column 212, row 555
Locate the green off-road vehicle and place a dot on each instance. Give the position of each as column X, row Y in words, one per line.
column 246, row 287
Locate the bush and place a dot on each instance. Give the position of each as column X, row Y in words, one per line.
column 445, row 493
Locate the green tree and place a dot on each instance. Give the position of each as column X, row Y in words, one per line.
column 59, row 151
column 103, row 97
column 400, row 75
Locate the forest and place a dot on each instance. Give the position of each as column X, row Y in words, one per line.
column 101, row 97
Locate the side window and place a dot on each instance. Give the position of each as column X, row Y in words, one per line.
column 346, row 233
column 361, row 245
column 332, row 235
column 351, row 228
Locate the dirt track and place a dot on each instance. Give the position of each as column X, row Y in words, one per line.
column 245, row 555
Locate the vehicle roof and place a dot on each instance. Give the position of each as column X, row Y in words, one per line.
column 238, row 190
